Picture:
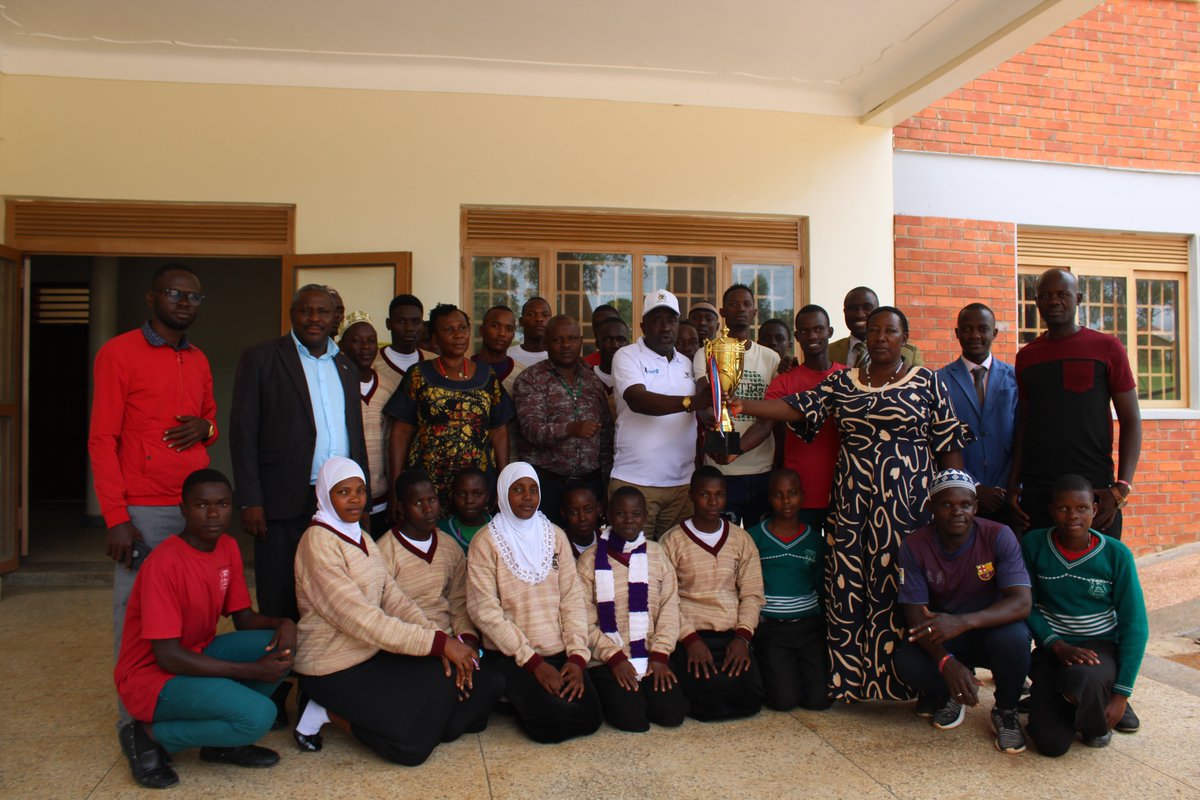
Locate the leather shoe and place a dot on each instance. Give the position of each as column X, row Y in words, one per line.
column 147, row 760
column 308, row 742
column 249, row 755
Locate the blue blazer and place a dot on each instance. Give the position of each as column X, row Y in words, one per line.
column 989, row 457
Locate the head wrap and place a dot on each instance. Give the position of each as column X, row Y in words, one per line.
column 951, row 479
column 525, row 545
column 352, row 318
column 333, row 472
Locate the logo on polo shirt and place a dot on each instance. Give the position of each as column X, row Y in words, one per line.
column 985, row 571
column 649, row 371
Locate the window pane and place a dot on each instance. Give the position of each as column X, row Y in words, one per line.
column 774, row 287
column 692, row 279
column 1158, row 340
column 1103, row 307
column 587, row 280
column 1027, row 314
column 500, row 281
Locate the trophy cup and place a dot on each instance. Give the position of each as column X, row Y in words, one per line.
column 725, row 357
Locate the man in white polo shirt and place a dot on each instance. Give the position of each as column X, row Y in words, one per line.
column 655, row 446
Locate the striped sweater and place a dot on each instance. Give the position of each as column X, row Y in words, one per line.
column 436, row 581
column 1096, row 596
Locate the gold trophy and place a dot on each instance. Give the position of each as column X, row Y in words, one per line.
column 725, row 357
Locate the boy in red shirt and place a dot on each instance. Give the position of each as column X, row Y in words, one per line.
column 184, row 685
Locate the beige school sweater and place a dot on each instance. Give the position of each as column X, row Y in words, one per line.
column 523, row 621
column 718, row 591
column 350, row 608
column 662, row 603
column 436, row 581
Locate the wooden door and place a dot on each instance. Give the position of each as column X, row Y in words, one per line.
column 368, row 281
column 11, row 504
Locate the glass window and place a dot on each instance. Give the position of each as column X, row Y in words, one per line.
column 1158, row 354
column 1028, row 324
column 774, row 287
column 587, row 280
column 1104, row 306
column 691, row 279
column 501, row 281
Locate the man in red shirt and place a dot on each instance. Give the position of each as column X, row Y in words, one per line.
column 153, row 418
column 184, row 685
column 814, row 462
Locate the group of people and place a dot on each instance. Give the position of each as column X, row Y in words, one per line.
column 437, row 531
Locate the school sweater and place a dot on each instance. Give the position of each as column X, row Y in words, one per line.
column 436, row 581
column 350, row 608
column 721, row 588
column 1096, row 596
column 792, row 572
column 662, row 604
column 523, row 621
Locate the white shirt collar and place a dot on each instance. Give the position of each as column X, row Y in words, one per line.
column 970, row 365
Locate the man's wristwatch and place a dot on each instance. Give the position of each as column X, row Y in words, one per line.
column 687, row 404
column 1121, row 499
column 212, row 429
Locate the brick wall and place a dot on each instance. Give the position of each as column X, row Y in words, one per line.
column 943, row 264
column 1118, row 87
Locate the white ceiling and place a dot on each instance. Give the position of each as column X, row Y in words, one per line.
column 879, row 60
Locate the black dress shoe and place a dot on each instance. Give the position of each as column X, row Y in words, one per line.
column 1129, row 722
column 147, row 760
column 308, row 742
column 250, row 755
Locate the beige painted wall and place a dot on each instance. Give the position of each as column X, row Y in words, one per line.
column 375, row 170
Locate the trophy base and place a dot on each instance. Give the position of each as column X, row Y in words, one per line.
column 727, row 444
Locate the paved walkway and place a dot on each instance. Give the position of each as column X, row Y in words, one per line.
column 57, row 737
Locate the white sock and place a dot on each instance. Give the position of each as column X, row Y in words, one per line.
column 312, row 719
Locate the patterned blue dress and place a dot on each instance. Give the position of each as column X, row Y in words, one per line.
column 890, row 439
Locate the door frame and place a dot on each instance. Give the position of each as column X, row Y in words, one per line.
column 16, row 477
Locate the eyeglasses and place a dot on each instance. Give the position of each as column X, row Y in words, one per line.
column 174, row 295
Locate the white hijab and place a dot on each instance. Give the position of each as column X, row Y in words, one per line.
column 333, row 472
column 526, row 545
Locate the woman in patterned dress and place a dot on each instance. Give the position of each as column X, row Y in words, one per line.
column 449, row 412
column 896, row 425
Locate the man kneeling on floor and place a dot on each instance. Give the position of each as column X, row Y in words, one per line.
column 965, row 594
column 184, row 685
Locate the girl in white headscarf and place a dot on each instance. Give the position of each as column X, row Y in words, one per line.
column 372, row 663
column 523, row 593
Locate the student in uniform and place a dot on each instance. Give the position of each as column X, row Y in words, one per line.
column 1089, row 622
column 790, row 642
column 633, row 621
column 581, row 511
column 431, row 569
column 469, row 501
column 720, row 596
column 184, row 685
column 527, row 601
column 369, row 660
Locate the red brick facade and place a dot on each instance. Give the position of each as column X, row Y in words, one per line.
column 1118, row 87
column 943, row 264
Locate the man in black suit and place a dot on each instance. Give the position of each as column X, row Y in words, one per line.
column 295, row 405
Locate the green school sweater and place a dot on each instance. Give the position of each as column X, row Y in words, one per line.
column 1097, row 596
column 792, row 572
column 461, row 533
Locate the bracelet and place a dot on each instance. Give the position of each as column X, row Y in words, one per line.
column 942, row 663
column 1126, row 484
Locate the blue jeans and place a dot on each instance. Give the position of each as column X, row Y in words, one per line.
column 1004, row 650
column 217, row 712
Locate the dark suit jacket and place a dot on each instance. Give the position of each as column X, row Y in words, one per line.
column 989, row 457
column 272, row 431
column 839, row 352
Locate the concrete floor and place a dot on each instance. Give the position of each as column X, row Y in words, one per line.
column 57, row 737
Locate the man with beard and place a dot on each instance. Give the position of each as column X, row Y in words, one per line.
column 153, row 418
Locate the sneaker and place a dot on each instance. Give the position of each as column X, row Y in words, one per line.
column 1129, row 722
column 927, row 704
column 1009, row 736
column 949, row 716
column 1098, row 741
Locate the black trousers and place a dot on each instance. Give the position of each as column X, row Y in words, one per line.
column 402, row 706
column 1003, row 649
column 1053, row 721
column 634, row 711
column 544, row 717
column 1037, row 506
column 554, row 486
column 794, row 659
column 275, row 562
column 720, row 696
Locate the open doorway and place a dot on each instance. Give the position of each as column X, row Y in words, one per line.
column 78, row 303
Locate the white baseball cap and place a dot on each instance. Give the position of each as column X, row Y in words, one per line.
column 660, row 299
